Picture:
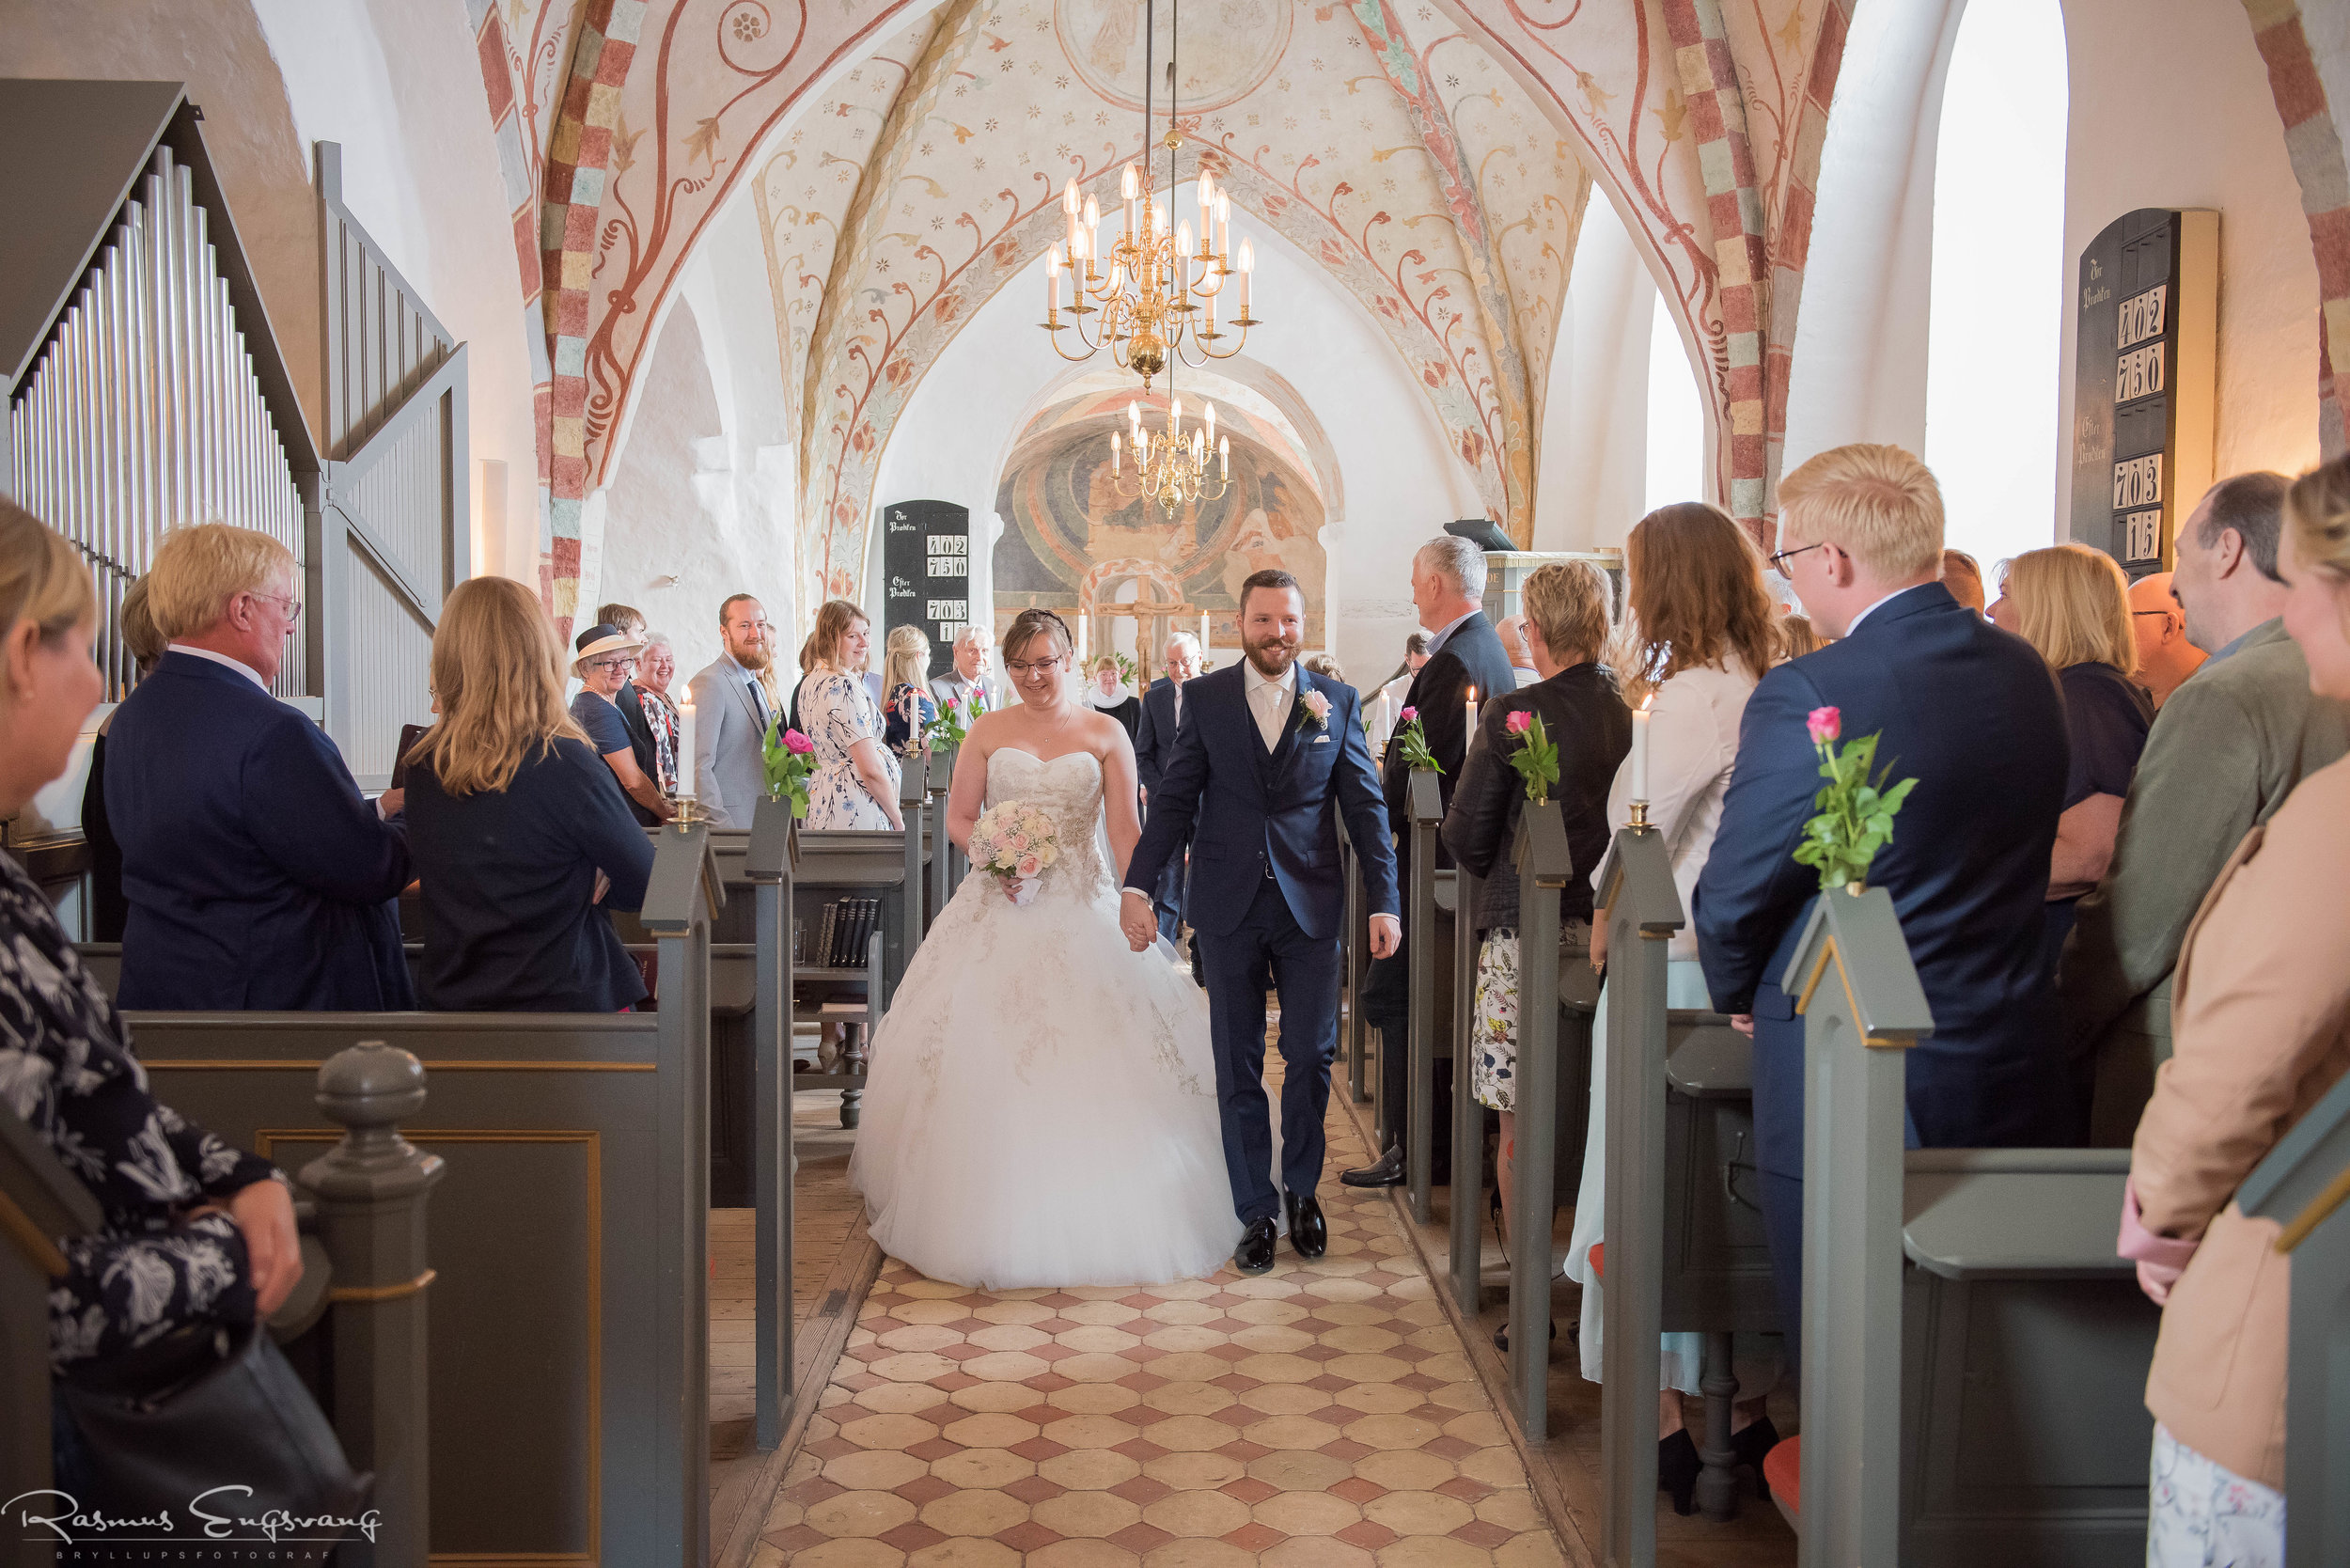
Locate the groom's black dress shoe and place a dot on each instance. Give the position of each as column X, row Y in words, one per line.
column 1387, row 1171
column 1308, row 1233
column 1254, row 1255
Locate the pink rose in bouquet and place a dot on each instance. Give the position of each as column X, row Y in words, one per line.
column 1015, row 842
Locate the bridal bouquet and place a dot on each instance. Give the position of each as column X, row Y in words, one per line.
column 1014, row 840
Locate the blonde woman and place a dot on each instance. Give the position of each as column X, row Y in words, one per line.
column 906, row 676
column 855, row 784
column 1042, row 1104
column 2260, row 1024
column 2072, row 604
column 1699, row 633
column 518, row 829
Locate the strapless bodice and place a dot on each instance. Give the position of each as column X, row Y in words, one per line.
column 1068, row 788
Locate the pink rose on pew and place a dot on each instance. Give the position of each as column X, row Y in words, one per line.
column 1516, row 724
column 1825, row 724
column 797, row 744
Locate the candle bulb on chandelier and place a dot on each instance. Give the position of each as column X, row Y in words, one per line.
column 1223, row 222
column 1175, row 417
column 1117, row 446
column 1224, row 456
column 1183, row 251
column 1247, row 266
column 1093, row 227
column 1211, row 418
column 1052, row 280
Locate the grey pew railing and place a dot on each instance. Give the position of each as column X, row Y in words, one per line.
column 370, row 1189
column 1464, row 1246
column 2301, row 1186
column 1419, row 1114
column 1856, row 1028
column 41, row 1204
column 946, row 860
column 914, row 799
column 1641, row 909
column 769, row 863
column 579, row 1428
column 1544, row 865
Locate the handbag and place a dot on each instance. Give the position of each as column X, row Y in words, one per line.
column 215, row 1409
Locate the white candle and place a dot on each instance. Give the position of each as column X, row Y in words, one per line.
column 1470, row 733
column 1224, row 454
column 685, row 751
column 1639, row 748
column 1248, row 265
column 1052, row 279
column 1203, row 635
column 1223, row 222
column 1118, row 443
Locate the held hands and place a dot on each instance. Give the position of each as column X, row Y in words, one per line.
column 1137, row 919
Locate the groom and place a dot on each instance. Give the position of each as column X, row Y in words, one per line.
column 1266, row 757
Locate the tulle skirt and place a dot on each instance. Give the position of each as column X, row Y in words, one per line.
column 1041, row 1107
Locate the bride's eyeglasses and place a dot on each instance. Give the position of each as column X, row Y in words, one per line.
column 1020, row 668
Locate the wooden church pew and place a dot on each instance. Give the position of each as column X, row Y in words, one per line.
column 41, row 1204
column 1984, row 1400
column 570, row 1368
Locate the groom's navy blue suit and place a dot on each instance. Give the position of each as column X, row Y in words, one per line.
column 1267, row 903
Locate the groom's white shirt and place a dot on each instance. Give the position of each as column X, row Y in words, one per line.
column 1271, row 700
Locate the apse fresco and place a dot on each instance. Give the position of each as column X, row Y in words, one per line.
column 1066, row 523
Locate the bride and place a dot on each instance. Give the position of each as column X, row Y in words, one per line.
column 1042, row 1104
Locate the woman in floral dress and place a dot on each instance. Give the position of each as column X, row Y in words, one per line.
column 856, row 783
column 195, row 1233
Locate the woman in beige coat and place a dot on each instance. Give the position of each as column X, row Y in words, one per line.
column 2261, row 1011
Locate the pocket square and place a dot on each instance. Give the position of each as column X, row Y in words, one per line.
column 1322, row 740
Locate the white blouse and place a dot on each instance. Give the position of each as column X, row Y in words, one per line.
column 1692, row 743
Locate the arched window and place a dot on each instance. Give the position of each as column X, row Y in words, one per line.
column 1994, row 332
column 1676, row 420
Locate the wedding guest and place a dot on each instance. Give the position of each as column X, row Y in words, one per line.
column 2224, row 753
column 108, row 909
column 1154, row 749
column 1327, row 664
column 656, row 666
column 1963, row 578
column 1699, row 630
column 644, row 733
column 2164, row 657
column 519, row 836
column 1379, row 711
column 1465, row 655
column 1793, row 635
column 258, row 876
column 1106, row 693
column 1974, row 714
column 2072, row 604
column 1513, row 634
column 2260, row 1031
column 734, row 702
column 196, row 1236
column 905, row 672
column 1566, row 631
column 856, row 782
column 968, row 682
column 606, row 655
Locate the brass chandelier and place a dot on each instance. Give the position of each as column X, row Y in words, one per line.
column 1157, row 298
column 1170, row 468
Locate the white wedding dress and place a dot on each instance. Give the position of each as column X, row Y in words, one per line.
column 1041, row 1107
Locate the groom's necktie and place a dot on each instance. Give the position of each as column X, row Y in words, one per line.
column 1270, row 715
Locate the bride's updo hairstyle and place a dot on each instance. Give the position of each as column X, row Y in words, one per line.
column 1033, row 626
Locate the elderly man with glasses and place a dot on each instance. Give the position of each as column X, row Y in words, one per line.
column 255, row 873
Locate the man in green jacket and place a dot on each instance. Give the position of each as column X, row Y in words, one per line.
column 2225, row 750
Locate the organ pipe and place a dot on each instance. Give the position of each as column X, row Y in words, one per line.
column 145, row 413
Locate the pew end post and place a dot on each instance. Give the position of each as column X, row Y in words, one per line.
column 1641, row 909
column 1425, row 805
column 1464, row 1245
column 370, row 1189
column 913, row 808
column 772, row 857
column 682, row 901
column 2302, row 1186
column 1544, row 863
column 940, row 772
column 1862, row 1007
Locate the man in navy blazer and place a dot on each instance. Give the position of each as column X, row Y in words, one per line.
column 1267, row 756
column 1154, row 749
column 1974, row 716
column 256, row 875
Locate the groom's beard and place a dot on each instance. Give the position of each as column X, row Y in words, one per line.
column 1272, row 656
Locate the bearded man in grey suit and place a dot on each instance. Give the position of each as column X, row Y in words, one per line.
column 731, row 711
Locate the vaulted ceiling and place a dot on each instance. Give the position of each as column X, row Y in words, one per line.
column 1395, row 154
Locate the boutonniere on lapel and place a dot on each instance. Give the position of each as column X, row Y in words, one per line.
column 1313, row 710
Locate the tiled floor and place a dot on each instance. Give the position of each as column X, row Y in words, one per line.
column 1322, row 1413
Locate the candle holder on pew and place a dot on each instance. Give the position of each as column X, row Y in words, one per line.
column 689, row 812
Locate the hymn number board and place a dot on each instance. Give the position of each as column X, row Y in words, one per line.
column 926, row 558
column 2146, row 310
